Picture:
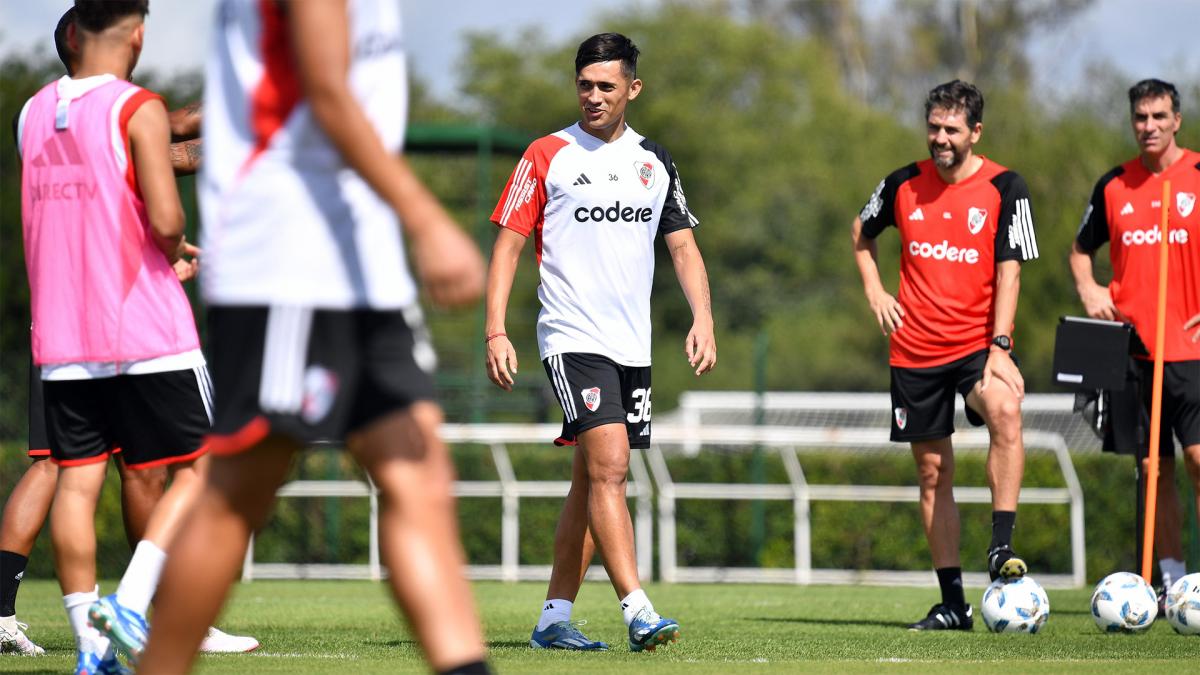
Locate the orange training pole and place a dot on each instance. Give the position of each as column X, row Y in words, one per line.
column 1156, row 391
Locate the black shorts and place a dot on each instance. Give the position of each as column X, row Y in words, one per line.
column 313, row 374
column 156, row 419
column 595, row 390
column 39, row 439
column 1180, row 401
column 923, row 398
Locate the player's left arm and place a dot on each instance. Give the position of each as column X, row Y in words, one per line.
column 700, row 347
column 1015, row 243
column 999, row 362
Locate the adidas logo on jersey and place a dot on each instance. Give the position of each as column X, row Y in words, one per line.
column 916, row 215
column 645, row 431
column 59, row 150
column 1127, row 209
column 582, row 180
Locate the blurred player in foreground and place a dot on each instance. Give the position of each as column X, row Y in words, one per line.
column 595, row 196
column 965, row 228
column 313, row 315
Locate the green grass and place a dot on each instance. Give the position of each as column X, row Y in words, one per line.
column 320, row 627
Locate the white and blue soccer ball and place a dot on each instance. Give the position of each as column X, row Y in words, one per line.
column 1183, row 605
column 1124, row 603
column 1015, row 606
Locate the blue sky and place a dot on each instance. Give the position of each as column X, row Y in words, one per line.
column 1143, row 37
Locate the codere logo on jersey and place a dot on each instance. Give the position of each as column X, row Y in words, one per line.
column 613, row 214
column 943, row 251
column 1152, row 236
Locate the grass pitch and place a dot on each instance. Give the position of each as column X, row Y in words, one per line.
column 323, row 627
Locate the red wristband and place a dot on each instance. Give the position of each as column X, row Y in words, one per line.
column 493, row 336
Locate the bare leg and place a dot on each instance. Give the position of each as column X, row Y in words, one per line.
column 939, row 512
column 27, row 507
column 204, row 559
column 419, row 532
column 1191, row 461
column 140, row 491
column 186, row 485
column 73, row 526
column 606, row 452
column 1168, row 518
column 573, row 544
column 1001, row 410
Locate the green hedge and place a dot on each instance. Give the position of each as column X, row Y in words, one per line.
column 845, row 534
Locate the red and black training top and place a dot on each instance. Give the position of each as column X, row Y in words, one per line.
column 952, row 237
column 1124, row 211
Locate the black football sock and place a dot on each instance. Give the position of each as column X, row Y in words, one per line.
column 472, row 668
column 950, row 580
column 1002, row 528
column 12, row 568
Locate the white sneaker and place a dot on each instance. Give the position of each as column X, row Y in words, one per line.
column 220, row 642
column 13, row 640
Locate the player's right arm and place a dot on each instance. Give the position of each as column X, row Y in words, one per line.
column 501, row 357
column 149, row 138
column 877, row 214
column 448, row 262
column 185, row 157
column 1093, row 233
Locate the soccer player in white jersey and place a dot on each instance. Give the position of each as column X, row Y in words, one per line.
column 313, row 317
column 594, row 196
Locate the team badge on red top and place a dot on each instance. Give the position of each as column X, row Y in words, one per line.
column 645, row 172
column 1185, row 201
column 975, row 219
column 591, row 398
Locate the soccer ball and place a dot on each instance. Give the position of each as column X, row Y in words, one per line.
column 1124, row 603
column 1183, row 605
column 1015, row 606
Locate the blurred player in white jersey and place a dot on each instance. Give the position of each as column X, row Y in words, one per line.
column 595, row 196
column 313, row 315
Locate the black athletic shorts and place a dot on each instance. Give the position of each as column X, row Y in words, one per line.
column 313, row 374
column 923, row 398
column 1180, row 401
column 39, row 439
column 595, row 390
column 156, row 419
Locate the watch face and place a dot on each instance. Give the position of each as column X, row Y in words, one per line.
column 1003, row 342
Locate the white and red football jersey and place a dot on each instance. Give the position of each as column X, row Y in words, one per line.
column 594, row 209
column 285, row 220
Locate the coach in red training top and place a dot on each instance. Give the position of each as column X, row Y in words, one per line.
column 1124, row 212
column 965, row 228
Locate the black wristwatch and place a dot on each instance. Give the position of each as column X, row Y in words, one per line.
column 1003, row 342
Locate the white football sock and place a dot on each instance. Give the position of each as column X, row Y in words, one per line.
column 141, row 577
column 86, row 637
column 553, row 611
column 1172, row 569
column 633, row 602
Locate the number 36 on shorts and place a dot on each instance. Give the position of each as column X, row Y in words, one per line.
column 640, row 400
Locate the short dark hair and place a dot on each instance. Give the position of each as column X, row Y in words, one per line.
column 957, row 95
column 60, row 38
column 604, row 47
column 1153, row 88
column 98, row 15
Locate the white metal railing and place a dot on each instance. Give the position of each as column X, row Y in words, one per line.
column 508, row 488
column 784, row 440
